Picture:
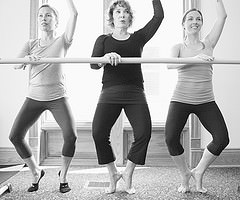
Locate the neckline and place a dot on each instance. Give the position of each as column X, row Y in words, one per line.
column 121, row 39
column 202, row 43
column 39, row 43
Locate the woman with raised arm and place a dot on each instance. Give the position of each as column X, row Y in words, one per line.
column 123, row 89
column 47, row 92
column 194, row 94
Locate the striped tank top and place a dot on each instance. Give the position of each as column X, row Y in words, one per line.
column 194, row 85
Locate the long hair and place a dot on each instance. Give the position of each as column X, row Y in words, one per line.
column 184, row 18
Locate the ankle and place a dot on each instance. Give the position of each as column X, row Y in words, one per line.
column 197, row 171
column 62, row 177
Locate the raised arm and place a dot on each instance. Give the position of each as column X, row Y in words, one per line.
column 158, row 9
column 71, row 24
column 216, row 31
column 152, row 26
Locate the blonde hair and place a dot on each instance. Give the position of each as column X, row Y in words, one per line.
column 55, row 12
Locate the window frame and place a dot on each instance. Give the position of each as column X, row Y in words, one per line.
column 187, row 4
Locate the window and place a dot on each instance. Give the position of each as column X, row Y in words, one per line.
column 84, row 84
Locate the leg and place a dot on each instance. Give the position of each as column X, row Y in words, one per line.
column 36, row 172
column 28, row 114
column 181, row 163
column 177, row 116
column 104, row 119
column 62, row 114
column 212, row 119
column 127, row 176
column 140, row 120
column 199, row 171
column 114, row 177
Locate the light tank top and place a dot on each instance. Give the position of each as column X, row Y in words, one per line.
column 194, row 85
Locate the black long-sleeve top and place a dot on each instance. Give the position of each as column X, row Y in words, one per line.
column 127, row 74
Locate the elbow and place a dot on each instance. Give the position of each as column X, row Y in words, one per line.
column 159, row 19
column 160, row 16
column 94, row 66
column 225, row 16
column 75, row 14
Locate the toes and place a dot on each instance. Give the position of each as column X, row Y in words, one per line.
column 183, row 189
column 131, row 191
column 202, row 190
column 109, row 191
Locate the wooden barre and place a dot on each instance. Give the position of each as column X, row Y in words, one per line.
column 96, row 60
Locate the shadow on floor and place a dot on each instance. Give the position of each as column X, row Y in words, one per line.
column 6, row 172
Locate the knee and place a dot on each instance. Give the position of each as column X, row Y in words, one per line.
column 174, row 146
column 170, row 141
column 71, row 138
column 224, row 142
column 147, row 135
column 98, row 138
column 14, row 139
column 218, row 145
column 143, row 136
column 99, row 134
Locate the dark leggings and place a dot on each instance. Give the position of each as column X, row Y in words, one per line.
column 104, row 119
column 209, row 115
column 28, row 115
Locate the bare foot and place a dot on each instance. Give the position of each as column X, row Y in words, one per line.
column 185, row 183
column 198, row 181
column 113, row 183
column 128, row 182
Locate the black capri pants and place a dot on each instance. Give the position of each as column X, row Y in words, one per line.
column 211, row 118
column 106, row 115
column 28, row 115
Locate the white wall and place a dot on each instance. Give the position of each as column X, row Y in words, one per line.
column 14, row 23
column 226, row 77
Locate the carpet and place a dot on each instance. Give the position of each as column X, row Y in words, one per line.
column 151, row 183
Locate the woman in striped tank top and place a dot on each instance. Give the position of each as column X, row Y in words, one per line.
column 194, row 94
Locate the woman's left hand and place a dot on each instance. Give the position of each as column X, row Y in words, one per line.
column 204, row 57
column 113, row 58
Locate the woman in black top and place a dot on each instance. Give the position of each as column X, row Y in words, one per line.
column 123, row 89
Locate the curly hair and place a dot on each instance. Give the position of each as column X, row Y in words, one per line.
column 121, row 3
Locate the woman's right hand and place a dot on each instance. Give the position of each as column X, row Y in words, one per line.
column 204, row 57
column 113, row 58
column 31, row 57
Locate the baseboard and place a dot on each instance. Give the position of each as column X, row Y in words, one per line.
column 228, row 158
column 9, row 156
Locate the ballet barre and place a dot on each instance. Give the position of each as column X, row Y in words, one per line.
column 96, row 60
